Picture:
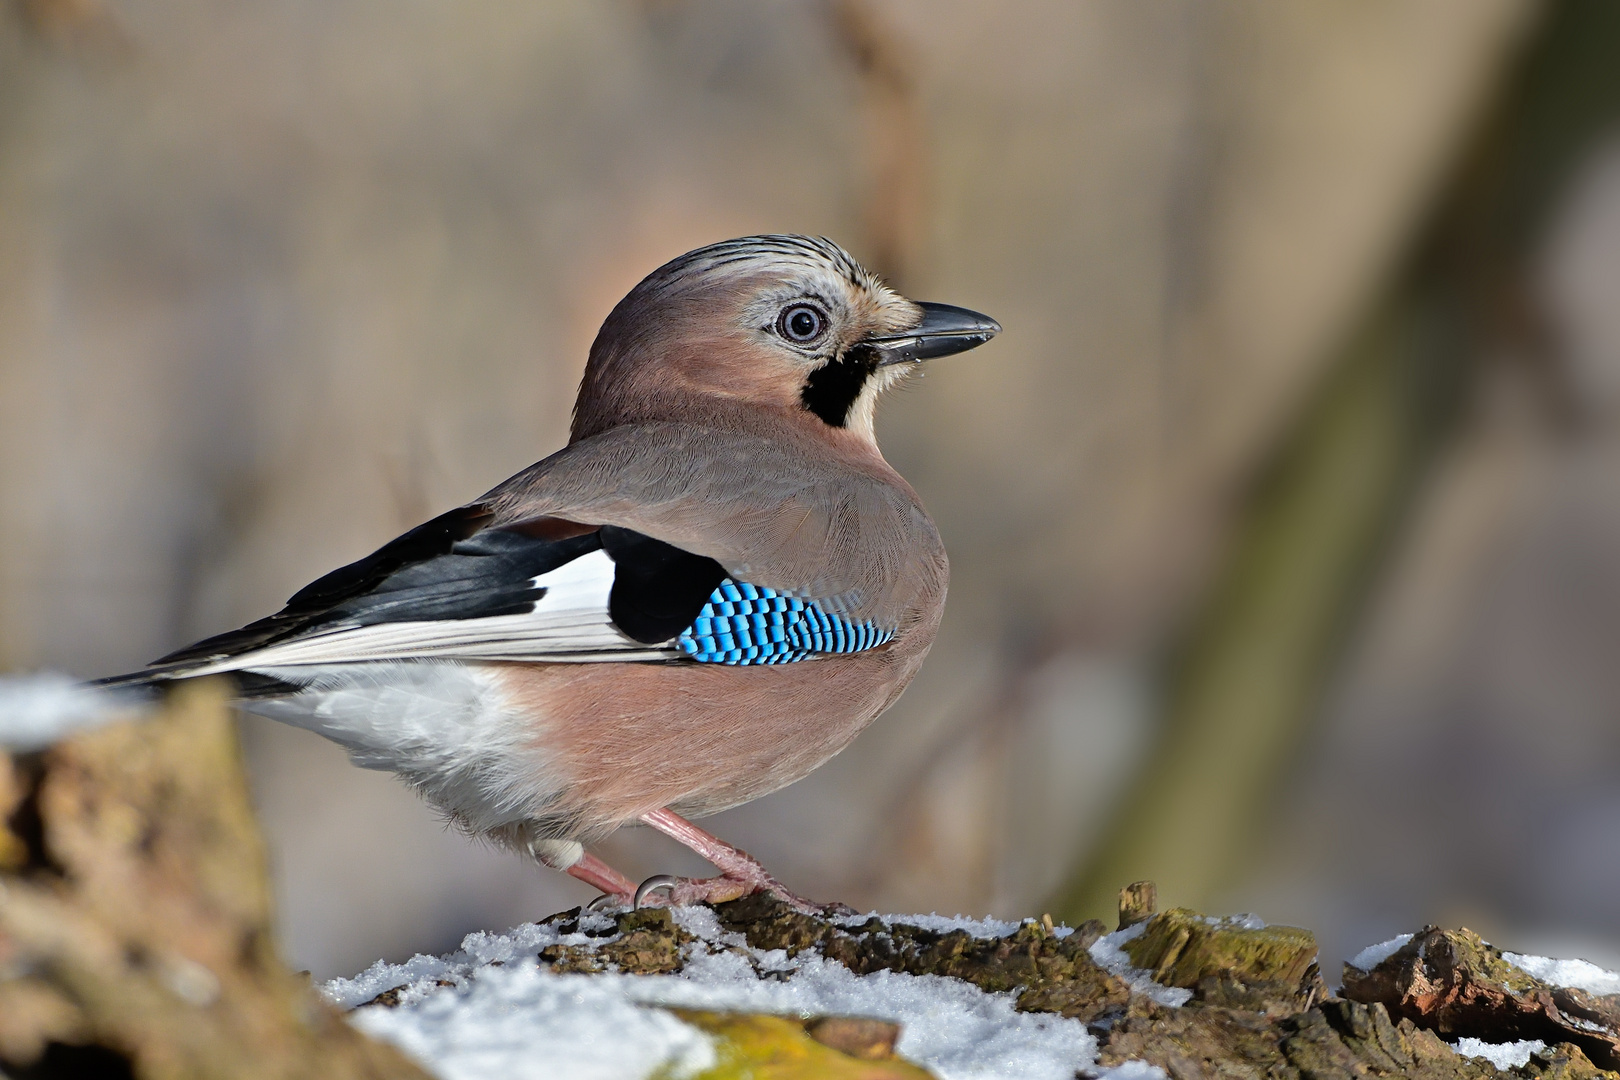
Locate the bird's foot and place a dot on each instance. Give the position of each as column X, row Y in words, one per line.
column 740, row 873
column 663, row 890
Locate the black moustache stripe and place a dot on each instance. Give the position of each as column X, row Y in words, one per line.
column 831, row 390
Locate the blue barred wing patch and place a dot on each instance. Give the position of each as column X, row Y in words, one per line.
column 747, row 624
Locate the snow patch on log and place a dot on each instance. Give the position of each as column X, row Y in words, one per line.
column 493, row 1007
column 1575, row 974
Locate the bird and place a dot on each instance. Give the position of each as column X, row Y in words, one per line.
column 712, row 589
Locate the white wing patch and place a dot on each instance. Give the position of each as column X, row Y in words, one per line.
column 570, row 623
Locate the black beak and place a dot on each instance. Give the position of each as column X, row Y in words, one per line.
column 944, row 330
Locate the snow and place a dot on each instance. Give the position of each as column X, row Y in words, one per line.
column 1576, row 974
column 1373, row 955
column 37, row 710
column 504, row 1014
column 1131, row 1070
column 1109, row 952
column 520, row 1023
column 1508, row 1055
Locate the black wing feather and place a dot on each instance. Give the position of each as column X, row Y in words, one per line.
column 454, row 568
column 658, row 589
column 489, row 574
column 424, row 542
column 444, row 569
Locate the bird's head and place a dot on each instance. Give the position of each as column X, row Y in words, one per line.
column 758, row 325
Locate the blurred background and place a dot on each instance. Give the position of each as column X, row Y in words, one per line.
column 1284, row 518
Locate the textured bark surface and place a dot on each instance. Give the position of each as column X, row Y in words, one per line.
column 1459, row 985
column 1051, row 974
column 1268, row 969
column 135, row 917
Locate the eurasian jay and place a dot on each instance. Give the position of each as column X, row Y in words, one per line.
column 711, row 590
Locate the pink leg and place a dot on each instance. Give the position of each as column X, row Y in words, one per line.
column 740, row 873
column 598, row 874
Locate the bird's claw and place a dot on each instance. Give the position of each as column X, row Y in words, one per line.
column 656, row 883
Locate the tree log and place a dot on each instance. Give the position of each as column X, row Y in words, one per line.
column 135, row 914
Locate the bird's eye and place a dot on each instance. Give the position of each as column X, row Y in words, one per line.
column 802, row 323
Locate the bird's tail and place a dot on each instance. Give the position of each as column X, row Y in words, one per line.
column 156, row 680
column 153, row 680
column 132, row 679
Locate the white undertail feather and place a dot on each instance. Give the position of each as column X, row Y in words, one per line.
column 445, row 728
column 557, row 854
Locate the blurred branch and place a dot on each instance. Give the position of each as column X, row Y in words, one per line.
column 895, row 136
column 1248, row 678
column 1253, row 668
column 82, row 27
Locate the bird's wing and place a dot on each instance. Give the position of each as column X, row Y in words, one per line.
column 453, row 588
column 573, row 578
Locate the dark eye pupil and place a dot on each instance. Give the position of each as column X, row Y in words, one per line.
column 802, row 323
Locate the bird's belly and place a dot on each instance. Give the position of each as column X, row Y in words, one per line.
column 574, row 751
column 697, row 738
column 446, row 728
